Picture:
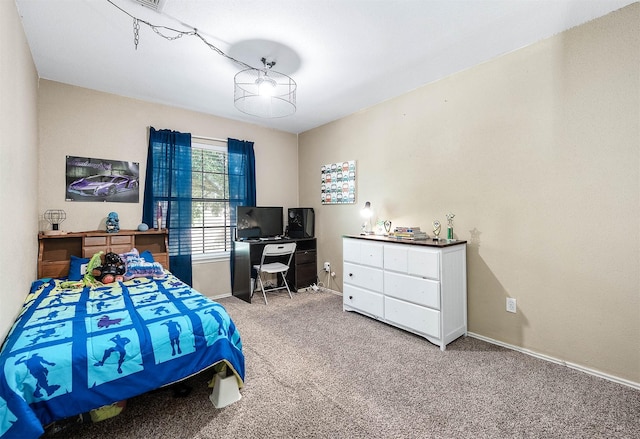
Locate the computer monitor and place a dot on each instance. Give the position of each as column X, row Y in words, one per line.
column 258, row 222
column 301, row 222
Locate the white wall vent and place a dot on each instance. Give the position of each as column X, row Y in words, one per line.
column 156, row 5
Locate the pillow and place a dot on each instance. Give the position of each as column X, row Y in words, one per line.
column 77, row 268
column 132, row 254
column 141, row 268
column 147, row 256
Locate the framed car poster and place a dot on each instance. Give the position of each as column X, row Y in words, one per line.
column 338, row 185
column 90, row 179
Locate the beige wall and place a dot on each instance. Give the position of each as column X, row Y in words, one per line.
column 18, row 166
column 81, row 122
column 537, row 154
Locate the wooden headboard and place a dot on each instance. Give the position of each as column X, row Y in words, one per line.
column 55, row 251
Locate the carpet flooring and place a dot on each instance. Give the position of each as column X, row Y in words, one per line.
column 314, row 371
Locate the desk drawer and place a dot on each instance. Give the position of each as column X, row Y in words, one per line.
column 305, row 256
column 305, row 275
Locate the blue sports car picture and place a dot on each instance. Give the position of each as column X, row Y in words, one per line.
column 118, row 181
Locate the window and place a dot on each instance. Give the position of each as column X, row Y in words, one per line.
column 210, row 218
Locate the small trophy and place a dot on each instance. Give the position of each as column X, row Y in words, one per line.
column 159, row 216
column 450, row 226
column 436, row 230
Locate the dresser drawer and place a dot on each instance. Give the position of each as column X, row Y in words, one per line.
column 366, row 301
column 412, row 317
column 420, row 291
column 364, row 277
column 415, row 261
column 395, row 257
column 361, row 252
column 423, row 262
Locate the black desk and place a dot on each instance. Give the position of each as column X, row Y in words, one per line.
column 303, row 271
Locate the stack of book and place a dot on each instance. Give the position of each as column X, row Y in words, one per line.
column 412, row 233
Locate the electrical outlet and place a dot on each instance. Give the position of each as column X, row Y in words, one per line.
column 327, row 267
column 511, row 304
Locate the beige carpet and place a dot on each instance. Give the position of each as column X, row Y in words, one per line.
column 314, row 371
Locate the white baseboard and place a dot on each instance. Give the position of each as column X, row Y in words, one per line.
column 330, row 291
column 578, row 367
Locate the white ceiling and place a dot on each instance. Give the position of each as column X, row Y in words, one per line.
column 345, row 55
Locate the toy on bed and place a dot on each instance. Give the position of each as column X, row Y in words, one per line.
column 112, row 270
column 87, row 280
column 141, row 265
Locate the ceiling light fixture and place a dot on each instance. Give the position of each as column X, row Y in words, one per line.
column 257, row 92
column 264, row 92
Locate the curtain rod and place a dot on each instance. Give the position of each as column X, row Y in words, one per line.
column 211, row 139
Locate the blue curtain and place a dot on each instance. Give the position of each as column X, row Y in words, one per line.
column 242, row 184
column 168, row 187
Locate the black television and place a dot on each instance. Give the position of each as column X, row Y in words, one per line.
column 255, row 222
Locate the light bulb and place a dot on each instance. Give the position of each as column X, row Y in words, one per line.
column 266, row 86
column 366, row 212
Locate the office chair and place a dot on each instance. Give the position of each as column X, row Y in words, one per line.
column 270, row 253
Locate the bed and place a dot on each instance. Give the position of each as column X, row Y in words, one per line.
column 75, row 348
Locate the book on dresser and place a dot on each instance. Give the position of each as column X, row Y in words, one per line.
column 410, row 233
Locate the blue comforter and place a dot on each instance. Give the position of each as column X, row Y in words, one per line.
column 74, row 350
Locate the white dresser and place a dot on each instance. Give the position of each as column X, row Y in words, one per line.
column 419, row 286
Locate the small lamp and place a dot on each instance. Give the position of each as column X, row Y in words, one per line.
column 54, row 217
column 367, row 213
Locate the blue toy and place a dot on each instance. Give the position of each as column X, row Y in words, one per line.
column 113, row 223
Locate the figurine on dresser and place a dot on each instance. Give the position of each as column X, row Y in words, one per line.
column 113, row 223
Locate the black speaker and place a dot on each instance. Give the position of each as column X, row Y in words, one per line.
column 301, row 222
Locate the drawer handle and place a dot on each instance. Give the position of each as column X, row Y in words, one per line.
column 350, row 297
column 350, row 274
